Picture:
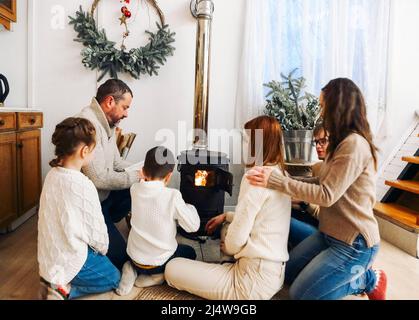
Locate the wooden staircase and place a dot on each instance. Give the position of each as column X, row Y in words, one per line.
column 398, row 211
column 414, row 160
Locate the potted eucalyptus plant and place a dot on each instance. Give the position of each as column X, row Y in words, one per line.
column 297, row 111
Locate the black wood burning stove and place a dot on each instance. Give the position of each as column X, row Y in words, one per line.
column 205, row 175
column 205, row 178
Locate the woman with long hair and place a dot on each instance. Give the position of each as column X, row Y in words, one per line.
column 336, row 261
column 257, row 235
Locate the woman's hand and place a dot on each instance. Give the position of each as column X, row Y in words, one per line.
column 214, row 223
column 259, row 176
column 223, row 247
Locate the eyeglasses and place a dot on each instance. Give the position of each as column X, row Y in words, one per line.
column 322, row 142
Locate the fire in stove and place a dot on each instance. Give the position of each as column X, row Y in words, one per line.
column 204, row 178
column 201, row 178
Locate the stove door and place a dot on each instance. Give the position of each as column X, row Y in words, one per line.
column 225, row 181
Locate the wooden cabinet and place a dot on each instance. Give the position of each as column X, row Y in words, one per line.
column 8, row 177
column 20, row 165
column 28, row 169
column 7, row 122
column 29, row 120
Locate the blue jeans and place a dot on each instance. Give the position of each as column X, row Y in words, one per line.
column 114, row 208
column 182, row 251
column 304, row 216
column 299, row 231
column 97, row 275
column 323, row 268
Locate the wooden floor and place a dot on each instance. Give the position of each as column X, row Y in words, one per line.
column 19, row 268
column 19, row 277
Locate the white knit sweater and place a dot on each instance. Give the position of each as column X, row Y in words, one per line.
column 155, row 211
column 260, row 225
column 107, row 169
column 70, row 220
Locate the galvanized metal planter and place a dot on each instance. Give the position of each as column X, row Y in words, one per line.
column 298, row 146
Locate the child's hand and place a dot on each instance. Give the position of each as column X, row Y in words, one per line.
column 140, row 175
column 214, row 223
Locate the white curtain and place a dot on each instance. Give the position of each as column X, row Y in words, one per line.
column 324, row 39
column 250, row 93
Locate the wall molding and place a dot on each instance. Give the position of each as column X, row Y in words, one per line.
column 31, row 30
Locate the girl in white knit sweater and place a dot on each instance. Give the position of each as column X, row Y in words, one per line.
column 257, row 236
column 72, row 235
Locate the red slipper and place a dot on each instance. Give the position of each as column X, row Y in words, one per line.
column 379, row 292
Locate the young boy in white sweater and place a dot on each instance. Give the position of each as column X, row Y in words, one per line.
column 156, row 210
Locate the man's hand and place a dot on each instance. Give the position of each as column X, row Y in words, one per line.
column 214, row 223
column 259, row 176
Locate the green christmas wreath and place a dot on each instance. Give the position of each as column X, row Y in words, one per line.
column 101, row 53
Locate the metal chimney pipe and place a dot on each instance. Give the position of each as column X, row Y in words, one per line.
column 203, row 11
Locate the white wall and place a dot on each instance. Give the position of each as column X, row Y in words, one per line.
column 403, row 85
column 63, row 86
column 13, row 57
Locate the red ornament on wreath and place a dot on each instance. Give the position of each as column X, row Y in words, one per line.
column 101, row 54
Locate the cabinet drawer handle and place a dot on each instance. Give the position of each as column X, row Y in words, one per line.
column 19, row 145
column 2, row 122
column 32, row 120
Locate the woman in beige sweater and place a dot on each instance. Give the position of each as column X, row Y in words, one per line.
column 336, row 261
column 257, row 236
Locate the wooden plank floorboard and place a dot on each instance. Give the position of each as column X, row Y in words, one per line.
column 19, row 277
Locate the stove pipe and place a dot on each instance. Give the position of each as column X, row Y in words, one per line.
column 203, row 11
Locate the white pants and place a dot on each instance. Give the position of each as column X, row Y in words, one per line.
column 247, row 279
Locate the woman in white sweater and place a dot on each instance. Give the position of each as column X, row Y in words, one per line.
column 72, row 235
column 257, row 236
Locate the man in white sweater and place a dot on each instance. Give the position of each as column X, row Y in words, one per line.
column 156, row 210
column 107, row 170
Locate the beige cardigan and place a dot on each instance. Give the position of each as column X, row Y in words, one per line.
column 345, row 190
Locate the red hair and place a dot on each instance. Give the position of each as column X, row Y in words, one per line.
column 273, row 151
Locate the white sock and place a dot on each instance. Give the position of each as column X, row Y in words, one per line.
column 129, row 274
column 377, row 275
column 144, row 281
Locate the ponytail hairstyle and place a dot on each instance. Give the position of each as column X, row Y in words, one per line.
column 68, row 135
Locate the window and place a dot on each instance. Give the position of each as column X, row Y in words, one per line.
column 324, row 39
